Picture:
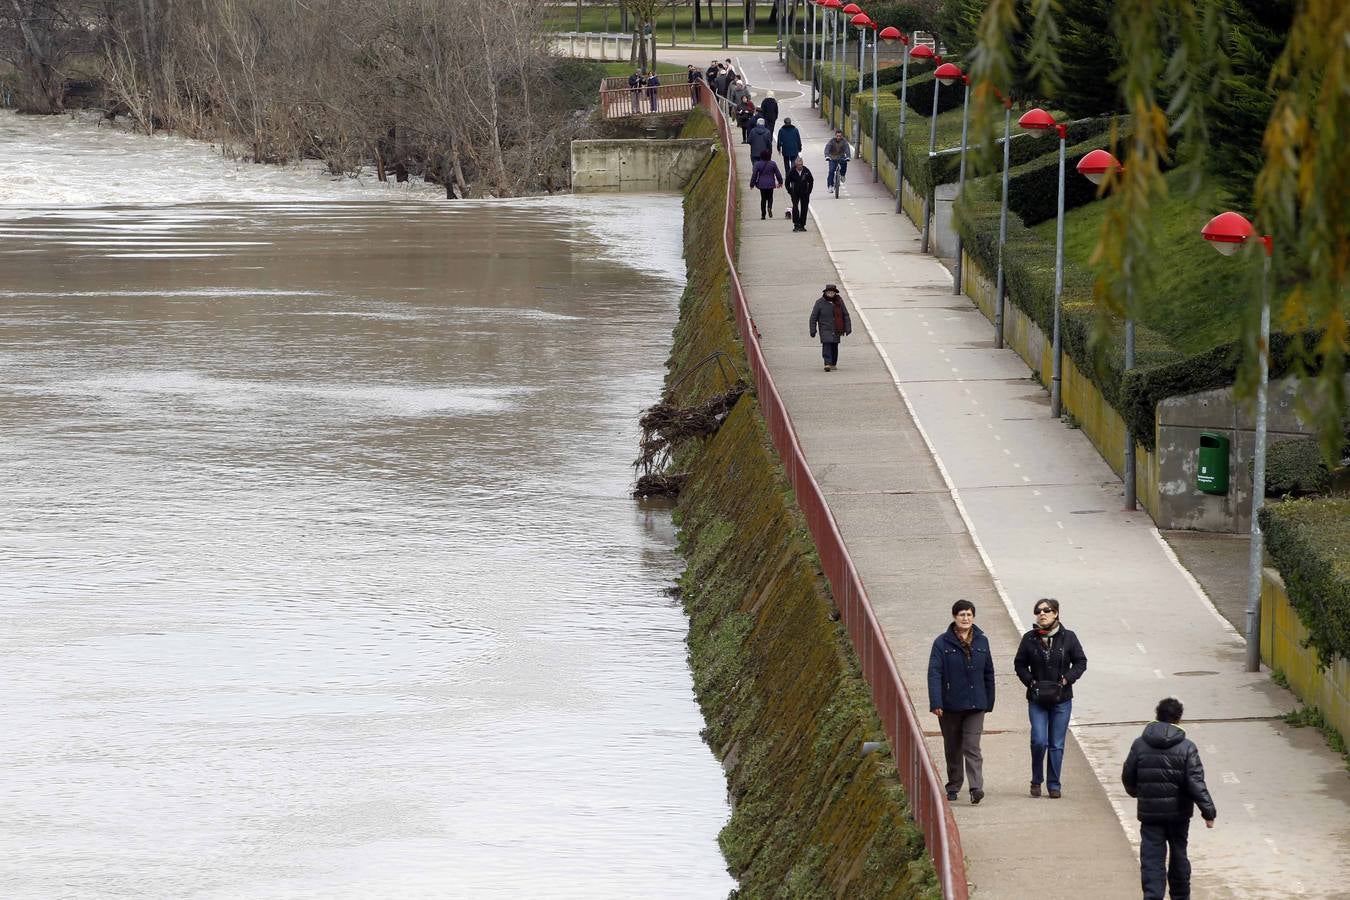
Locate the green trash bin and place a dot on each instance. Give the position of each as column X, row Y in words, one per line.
column 1211, row 476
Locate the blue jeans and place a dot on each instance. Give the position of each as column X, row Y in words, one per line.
column 1049, row 727
column 842, row 166
column 1163, row 862
column 830, row 351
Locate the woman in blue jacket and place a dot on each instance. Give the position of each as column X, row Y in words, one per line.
column 960, row 692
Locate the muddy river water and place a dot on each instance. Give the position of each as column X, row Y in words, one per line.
column 318, row 572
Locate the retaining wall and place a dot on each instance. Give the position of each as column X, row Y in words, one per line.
column 776, row 676
column 1282, row 648
column 636, row 165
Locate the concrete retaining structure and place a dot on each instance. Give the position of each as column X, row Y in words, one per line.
column 1283, row 649
column 588, row 45
column 636, row 166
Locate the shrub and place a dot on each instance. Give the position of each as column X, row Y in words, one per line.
column 1296, row 467
column 1309, row 541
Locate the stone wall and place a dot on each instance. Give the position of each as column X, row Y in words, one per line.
column 636, row 166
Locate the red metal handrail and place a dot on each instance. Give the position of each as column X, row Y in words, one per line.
column 927, row 792
column 619, row 103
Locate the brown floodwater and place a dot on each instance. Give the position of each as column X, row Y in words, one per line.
column 319, row 573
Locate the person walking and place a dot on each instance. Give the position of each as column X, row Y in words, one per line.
column 1164, row 773
column 738, row 92
column 745, row 117
column 838, row 152
column 723, row 79
column 799, row 184
column 789, row 142
column 830, row 317
column 635, row 88
column 768, row 108
column 760, row 138
column 695, row 78
column 653, row 88
column 766, row 176
column 1049, row 660
column 960, row 693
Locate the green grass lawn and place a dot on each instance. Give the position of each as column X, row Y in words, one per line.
column 605, row 18
column 1194, row 297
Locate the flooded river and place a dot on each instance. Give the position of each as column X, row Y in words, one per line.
column 318, row 569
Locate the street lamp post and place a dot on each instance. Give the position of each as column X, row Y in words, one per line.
column 860, row 21
column 1002, row 225
column 811, row 60
column 949, row 74
column 1039, row 122
column 724, row 24
column 841, row 61
column 876, row 145
column 919, row 52
column 1227, row 232
column 932, row 148
column 1095, row 167
column 891, row 34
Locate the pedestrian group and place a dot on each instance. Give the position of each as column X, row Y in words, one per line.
column 1163, row 769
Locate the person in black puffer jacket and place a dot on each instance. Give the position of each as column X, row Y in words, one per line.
column 1164, row 773
column 1048, row 661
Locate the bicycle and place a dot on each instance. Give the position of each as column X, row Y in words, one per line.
column 841, row 166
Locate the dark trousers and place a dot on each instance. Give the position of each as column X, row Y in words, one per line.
column 830, row 351
column 800, row 203
column 961, row 732
column 1156, row 844
column 766, row 203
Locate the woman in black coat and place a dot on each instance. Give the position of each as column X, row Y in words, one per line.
column 1049, row 660
column 830, row 317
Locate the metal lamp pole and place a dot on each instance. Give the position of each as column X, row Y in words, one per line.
column 838, row 72
column 1041, row 122
column 891, row 34
column 932, row 148
column 724, row 24
column 1002, row 225
column 1227, row 232
column 1095, row 167
column 811, row 54
column 961, row 183
column 862, row 62
column 876, row 146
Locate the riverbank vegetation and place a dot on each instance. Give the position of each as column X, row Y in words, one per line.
column 463, row 94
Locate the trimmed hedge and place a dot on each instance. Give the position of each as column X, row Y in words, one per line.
column 1309, row 540
column 1295, row 467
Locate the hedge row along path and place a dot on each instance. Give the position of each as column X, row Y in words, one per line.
column 949, row 479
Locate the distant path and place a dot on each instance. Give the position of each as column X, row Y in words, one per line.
column 1009, row 506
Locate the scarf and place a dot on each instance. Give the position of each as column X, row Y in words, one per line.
column 1047, row 636
column 967, row 642
column 838, row 304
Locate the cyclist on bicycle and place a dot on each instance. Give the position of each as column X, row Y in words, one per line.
column 838, row 152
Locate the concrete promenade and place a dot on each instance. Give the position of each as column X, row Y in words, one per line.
column 949, row 479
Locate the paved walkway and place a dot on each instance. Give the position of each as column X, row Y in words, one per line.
column 949, row 479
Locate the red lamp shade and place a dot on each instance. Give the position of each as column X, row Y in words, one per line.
column 921, row 51
column 947, row 73
column 852, row 9
column 860, row 19
column 1227, row 232
column 833, row 4
column 1097, row 164
column 891, row 33
column 1037, row 121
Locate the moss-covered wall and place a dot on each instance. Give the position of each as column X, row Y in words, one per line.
column 777, row 680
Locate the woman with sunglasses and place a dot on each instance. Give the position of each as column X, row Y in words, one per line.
column 1049, row 660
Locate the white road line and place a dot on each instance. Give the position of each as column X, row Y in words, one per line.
column 1195, row 586
column 1141, row 647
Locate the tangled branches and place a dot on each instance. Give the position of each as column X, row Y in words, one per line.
column 665, row 426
